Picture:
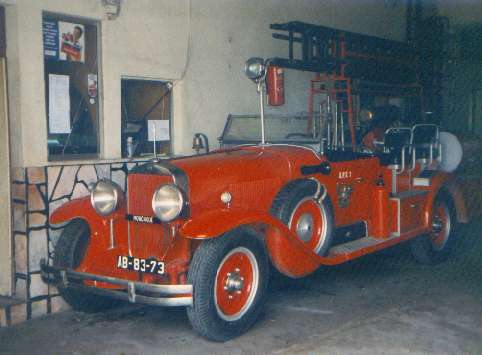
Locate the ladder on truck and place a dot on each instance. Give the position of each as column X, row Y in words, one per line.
column 341, row 58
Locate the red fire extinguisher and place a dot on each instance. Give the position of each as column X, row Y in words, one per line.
column 380, row 215
column 276, row 86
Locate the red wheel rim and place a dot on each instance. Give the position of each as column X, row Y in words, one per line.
column 440, row 226
column 236, row 283
column 308, row 223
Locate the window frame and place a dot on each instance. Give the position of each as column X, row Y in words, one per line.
column 170, row 95
column 100, row 122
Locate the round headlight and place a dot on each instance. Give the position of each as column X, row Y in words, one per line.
column 167, row 202
column 105, row 197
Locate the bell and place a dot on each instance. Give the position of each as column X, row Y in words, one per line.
column 197, row 143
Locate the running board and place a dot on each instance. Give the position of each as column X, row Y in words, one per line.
column 360, row 247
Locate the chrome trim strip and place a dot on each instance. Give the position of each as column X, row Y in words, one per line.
column 398, row 232
column 142, row 286
column 111, row 233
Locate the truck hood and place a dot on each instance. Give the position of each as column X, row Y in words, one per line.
column 251, row 174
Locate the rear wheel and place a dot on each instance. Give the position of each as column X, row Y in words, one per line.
column 68, row 254
column 440, row 242
column 229, row 277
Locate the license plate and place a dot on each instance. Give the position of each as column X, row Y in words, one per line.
column 151, row 266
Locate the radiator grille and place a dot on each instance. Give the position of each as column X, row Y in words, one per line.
column 140, row 188
column 147, row 240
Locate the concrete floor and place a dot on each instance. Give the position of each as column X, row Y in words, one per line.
column 380, row 304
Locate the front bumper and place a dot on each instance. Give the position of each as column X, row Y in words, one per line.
column 134, row 292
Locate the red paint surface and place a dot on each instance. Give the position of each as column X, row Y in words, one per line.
column 254, row 176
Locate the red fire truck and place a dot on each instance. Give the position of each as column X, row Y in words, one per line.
column 204, row 231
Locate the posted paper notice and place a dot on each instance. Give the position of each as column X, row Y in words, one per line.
column 59, row 104
column 158, row 130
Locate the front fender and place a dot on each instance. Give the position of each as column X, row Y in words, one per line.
column 287, row 253
column 78, row 208
column 82, row 208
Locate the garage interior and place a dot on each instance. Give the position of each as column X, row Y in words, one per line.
column 166, row 78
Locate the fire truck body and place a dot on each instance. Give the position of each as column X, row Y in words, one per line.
column 205, row 231
column 305, row 210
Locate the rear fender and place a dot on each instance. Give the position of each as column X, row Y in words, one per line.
column 448, row 183
column 286, row 252
column 453, row 187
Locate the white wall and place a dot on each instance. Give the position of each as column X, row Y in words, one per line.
column 226, row 33
column 149, row 39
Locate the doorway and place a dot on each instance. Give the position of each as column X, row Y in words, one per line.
column 5, row 217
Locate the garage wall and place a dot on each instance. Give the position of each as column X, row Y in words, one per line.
column 226, row 33
column 149, row 39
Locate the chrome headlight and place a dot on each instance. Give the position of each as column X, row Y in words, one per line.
column 167, row 202
column 105, row 197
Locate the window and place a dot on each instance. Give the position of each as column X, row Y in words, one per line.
column 71, row 87
column 146, row 114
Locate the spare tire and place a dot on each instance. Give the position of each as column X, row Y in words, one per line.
column 310, row 219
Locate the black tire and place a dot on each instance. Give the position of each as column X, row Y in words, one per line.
column 434, row 247
column 207, row 273
column 68, row 253
column 289, row 199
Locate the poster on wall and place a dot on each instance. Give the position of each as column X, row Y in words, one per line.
column 64, row 41
column 71, row 42
column 59, row 104
column 51, row 39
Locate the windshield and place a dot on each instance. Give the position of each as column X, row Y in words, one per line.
column 298, row 128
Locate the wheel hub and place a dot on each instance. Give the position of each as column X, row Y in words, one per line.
column 234, row 282
column 304, row 227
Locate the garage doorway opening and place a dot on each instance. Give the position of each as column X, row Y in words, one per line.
column 146, row 114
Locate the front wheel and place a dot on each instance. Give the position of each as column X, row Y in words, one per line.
column 229, row 276
column 68, row 254
column 439, row 243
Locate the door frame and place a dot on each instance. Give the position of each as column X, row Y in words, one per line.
column 6, row 245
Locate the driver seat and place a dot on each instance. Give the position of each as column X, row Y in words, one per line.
column 396, row 140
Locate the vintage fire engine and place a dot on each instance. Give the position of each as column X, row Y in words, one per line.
column 204, row 231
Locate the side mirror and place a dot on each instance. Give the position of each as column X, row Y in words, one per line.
column 255, row 69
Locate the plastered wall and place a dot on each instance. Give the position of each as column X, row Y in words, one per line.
column 150, row 39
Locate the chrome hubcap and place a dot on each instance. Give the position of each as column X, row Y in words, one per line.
column 234, row 282
column 304, row 227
